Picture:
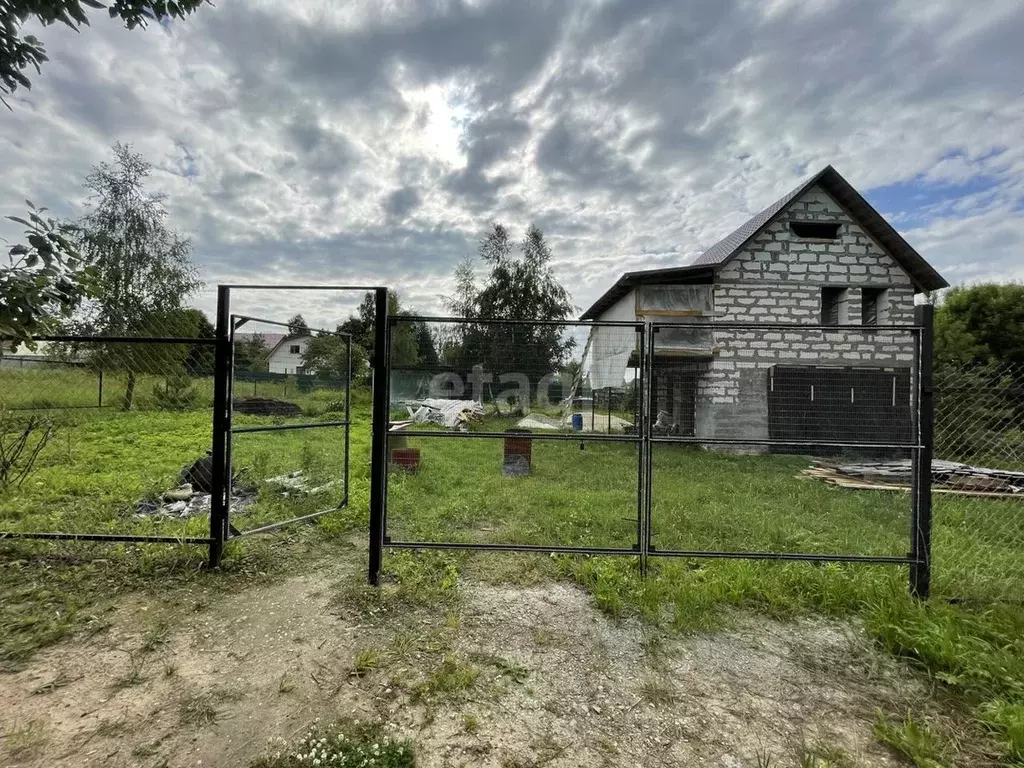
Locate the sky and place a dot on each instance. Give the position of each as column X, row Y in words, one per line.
column 369, row 143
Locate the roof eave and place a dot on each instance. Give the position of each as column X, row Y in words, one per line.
column 630, row 280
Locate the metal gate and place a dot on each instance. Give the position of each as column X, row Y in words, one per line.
column 833, row 393
column 699, row 394
column 513, row 378
column 316, row 404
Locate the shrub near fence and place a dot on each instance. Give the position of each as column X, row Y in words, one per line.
column 978, row 544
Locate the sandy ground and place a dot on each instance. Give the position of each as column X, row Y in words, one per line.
column 557, row 684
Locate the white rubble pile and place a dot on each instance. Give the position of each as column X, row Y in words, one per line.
column 450, row 414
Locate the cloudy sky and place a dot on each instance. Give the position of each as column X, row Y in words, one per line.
column 328, row 141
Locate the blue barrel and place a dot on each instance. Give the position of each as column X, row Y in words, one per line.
column 577, row 422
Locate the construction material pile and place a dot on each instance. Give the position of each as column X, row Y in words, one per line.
column 266, row 406
column 450, row 414
column 947, row 477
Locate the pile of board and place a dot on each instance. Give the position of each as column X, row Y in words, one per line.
column 947, row 477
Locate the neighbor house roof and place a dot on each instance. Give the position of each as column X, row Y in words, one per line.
column 271, row 340
column 287, row 338
column 921, row 273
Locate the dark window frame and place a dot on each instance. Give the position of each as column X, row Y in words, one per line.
column 831, row 299
column 815, row 230
column 294, row 349
column 871, row 305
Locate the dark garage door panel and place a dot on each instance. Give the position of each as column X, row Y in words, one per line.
column 857, row 405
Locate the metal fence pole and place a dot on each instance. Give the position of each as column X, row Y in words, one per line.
column 101, row 389
column 221, row 371
column 648, row 426
column 378, row 449
column 348, row 414
column 921, row 491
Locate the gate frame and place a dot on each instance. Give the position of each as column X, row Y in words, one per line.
column 378, row 526
column 221, row 530
column 918, row 558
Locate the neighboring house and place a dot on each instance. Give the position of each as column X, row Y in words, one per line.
column 819, row 255
column 286, row 355
column 270, row 340
column 43, row 356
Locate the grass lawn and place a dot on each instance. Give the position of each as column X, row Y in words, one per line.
column 90, row 478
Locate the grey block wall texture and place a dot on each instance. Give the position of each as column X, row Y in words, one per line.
column 778, row 278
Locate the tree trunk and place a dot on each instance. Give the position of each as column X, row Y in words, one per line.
column 129, row 392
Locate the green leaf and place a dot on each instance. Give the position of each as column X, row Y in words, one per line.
column 19, row 250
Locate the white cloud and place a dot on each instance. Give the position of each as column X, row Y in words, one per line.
column 372, row 143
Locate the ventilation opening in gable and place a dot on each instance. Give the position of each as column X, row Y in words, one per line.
column 814, row 230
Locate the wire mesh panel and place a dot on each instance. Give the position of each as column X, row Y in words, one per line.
column 978, row 481
column 97, row 435
column 754, row 428
column 514, row 434
column 290, row 422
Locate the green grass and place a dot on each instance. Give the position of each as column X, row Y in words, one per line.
column 710, row 501
column 104, row 461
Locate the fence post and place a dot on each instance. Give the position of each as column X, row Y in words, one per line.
column 221, row 371
column 921, row 481
column 378, row 448
column 101, row 389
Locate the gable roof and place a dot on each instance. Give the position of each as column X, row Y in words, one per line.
column 286, row 338
column 922, row 274
column 270, row 340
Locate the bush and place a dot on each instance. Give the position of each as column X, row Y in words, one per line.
column 177, row 394
column 22, row 439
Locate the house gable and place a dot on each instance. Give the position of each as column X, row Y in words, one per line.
column 778, row 276
column 829, row 182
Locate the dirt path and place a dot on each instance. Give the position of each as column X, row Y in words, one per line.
column 510, row 676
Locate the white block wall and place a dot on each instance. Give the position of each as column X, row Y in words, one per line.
column 778, row 278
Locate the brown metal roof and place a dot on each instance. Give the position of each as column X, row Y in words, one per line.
column 922, row 274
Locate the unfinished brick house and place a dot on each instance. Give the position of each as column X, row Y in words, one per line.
column 821, row 255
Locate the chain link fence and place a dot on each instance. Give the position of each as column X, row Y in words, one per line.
column 978, row 482
column 516, row 435
column 290, row 423
column 98, row 434
column 754, row 427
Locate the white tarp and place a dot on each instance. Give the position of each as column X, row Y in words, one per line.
column 606, row 357
column 675, row 298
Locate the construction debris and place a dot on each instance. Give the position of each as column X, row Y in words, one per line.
column 947, row 477
column 451, row 414
column 266, row 406
column 186, row 501
column 539, row 421
column 297, row 483
column 601, row 422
